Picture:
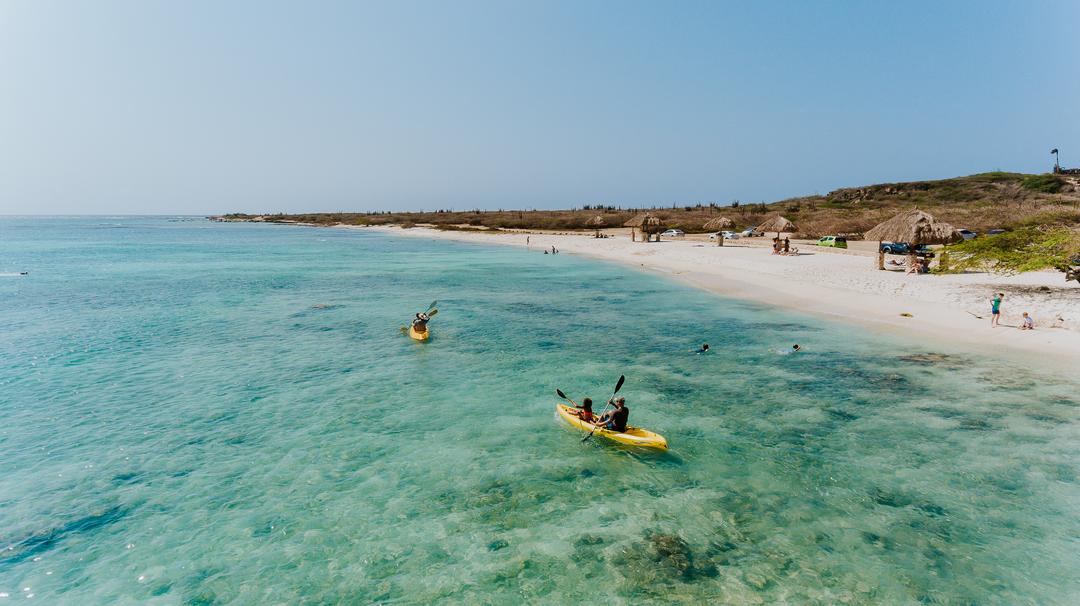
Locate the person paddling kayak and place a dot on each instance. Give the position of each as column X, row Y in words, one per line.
column 585, row 412
column 615, row 420
column 420, row 322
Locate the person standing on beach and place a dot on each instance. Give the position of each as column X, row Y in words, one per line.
column 995, row 309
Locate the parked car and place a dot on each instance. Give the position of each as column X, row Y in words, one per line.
column 751, row 232
column 673, row 233
column 967, row 233
column 994, row 232
column 727, row 235
column 832, row 241
column 899, row 248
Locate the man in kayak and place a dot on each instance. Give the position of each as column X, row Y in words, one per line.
column 420, row 322
column 615, row 420
column 584, row 412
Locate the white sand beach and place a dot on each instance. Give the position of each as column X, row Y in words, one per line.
column 842, row 285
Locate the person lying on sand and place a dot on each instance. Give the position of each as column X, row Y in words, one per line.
column 584, row 412
column 615, row 420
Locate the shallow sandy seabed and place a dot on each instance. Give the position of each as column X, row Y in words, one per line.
column 952, row 309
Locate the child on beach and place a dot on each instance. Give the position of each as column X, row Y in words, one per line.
column 1028, row 323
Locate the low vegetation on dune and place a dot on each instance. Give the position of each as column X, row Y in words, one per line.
column 1049, row 241
column 995, row 200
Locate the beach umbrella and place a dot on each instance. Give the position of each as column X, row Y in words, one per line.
column 914, row 228
column 777, row 224
column 718, row 223
column 635, row 223
column 596, row 223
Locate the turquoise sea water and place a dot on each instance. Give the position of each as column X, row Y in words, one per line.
column 199, row 413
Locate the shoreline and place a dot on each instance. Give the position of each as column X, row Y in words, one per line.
column 841, row 287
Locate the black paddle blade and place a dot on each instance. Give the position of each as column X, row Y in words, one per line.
column 431, row 313
column 618, row 386
column 561, row 394
column 433, row 304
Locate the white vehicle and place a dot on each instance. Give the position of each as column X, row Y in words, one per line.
column 673, row 233
column 751, row 232
column 727, row 235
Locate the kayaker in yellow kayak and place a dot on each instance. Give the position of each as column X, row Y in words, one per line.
column 584, row 412
column 615, row 420
column 420, row 322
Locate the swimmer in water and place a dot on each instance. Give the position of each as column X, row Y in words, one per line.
column 704, row 349
column 795, row 348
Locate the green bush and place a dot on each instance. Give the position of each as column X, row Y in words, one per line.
column 1025, row 249
column 1048, row 184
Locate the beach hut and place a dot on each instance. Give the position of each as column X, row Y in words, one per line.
column 647, row 223
column 777, row 224
column 914, row 228
column 716, row 225
column 598, row 222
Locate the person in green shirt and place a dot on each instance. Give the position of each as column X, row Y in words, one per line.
column 995, row 309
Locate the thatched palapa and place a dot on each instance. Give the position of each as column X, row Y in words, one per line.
column 648, row 223
column 914, row 228
column 777, row 224
column 597, row 221
column 718, row 224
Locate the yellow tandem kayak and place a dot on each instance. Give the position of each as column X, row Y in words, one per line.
column 633, row 436
column 417, row 335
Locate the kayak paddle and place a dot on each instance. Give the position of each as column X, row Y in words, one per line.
column 618, row 386
column 563, row 396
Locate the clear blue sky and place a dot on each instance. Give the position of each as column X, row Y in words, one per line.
column 205, row 106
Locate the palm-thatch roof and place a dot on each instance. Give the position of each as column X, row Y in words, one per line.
column 636, row 221
column 718, row 223
column 914, row 227
column 597, row 221
column 777, row 224
column 641, row 220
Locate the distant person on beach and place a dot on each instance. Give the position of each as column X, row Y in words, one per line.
column 615, row 420
column 787, row 245
column 704, row 349
column 526, row 240
column 1028, row 323
column 995, row 309
column 585, row 412
column 776, row 246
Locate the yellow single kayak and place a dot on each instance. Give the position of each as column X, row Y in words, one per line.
column 419, row 336
column 633, row 436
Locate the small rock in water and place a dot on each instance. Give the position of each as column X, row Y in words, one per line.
column 498, row 544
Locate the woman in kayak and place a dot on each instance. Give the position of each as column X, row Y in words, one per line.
column 615, row 420
column 584, row 412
